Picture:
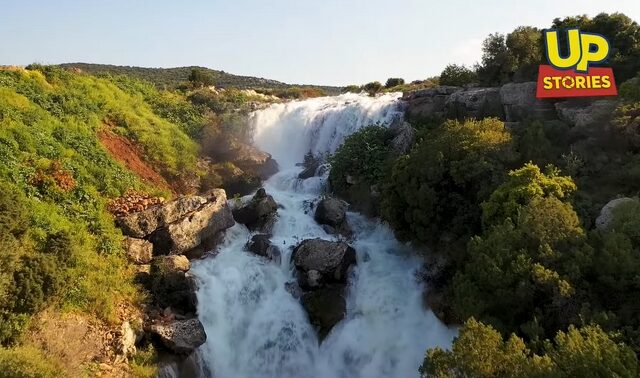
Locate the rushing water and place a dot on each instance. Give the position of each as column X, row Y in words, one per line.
column 255, row 327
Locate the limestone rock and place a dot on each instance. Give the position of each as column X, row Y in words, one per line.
column 331, row 260
column 520, row 103
column 139, row 251
column 475, row 103
column 427, row 103
column 262, row 246
column 585, row 113
column 332, row 212
column 603, row 222
column 200, row 226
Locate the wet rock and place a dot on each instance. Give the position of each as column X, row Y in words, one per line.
column 261, row 246
column 603, row 222
column 253, row 161
column 180, row 336
column 325, row 307
column 139, row 251
column 332, row 212
column 331, row 260
column 259, row 213
column 294, row 289
column 311, row 165
column 199, row 227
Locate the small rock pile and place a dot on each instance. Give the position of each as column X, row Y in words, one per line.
column 132, row 202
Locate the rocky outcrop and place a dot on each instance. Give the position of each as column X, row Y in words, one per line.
column 332, row 213
column 403, row 137
column 322, row 267
column 603, row 222
column 179, row 226
column 172, row 286
column 583, row 114
column 474, row 103
column 259, row 214
column 262, row 246
column 520, row 103
column 139, row 251
column 428, row 103
column 311, row 165
column 196, row 228
column 180, row 336
column 251, row 160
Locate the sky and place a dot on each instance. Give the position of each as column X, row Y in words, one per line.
column 328, row 42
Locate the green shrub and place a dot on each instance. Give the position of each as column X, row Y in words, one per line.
column 372, row 88
column 27, row 362
column 435, row 191
column 457, row 76
column 394, row 82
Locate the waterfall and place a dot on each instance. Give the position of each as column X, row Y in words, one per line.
column 255, row 327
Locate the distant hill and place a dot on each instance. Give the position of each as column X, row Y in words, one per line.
column 169, row 78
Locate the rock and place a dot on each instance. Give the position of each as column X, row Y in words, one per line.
column 172, row 263
column 311, row 165
column 250, row 159
column 127, row 341
column 261, row 246
column 294, row 289
column 259, row 213
column 331, row 260
column 171, row 286
column 201, row 226
column 603, row 222
column 585, row 113
column 325, row 307
column 475, row 103
column 403, row 137
column 139, row 251
column 520, row 103
column 332, row 212
column 427, row 103
column 180, row 336
column 142, row 224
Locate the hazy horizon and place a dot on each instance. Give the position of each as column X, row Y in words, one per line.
column 332, row 43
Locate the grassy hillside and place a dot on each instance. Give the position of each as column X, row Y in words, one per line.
column 169, row 78
column 59, row 246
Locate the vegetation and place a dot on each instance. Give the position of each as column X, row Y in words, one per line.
column 393, row 82
column 372, row 88
column 456, row 75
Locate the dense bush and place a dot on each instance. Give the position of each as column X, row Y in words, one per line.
column 372, row 88
column 26, row 362
column 394, row 82
column 435, row 191
column 480, row 351
column 457, row 76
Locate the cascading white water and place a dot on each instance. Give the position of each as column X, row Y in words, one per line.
column 255, row 327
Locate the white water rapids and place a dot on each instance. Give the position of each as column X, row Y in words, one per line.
column 255, row 327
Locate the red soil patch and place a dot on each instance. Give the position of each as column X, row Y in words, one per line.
column 127, row 153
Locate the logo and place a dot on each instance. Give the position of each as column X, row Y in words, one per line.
column 571, row 74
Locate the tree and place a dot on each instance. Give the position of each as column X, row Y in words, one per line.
column 497, row 63
column 201, row 78
column 526, row 47
column 434, row 191
column 480, row 351
column 394, row 82
column 457, row 75
column 372, row 88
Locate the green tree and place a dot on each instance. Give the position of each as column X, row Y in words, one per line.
column 201, row 78
column 434, row 192
column 393, row 82
column 456, row 75
column 526, row 47
column 497, row 62
column 372, row 88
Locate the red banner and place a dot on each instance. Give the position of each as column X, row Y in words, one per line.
column 553, row 83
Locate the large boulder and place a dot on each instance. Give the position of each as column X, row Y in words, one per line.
column 139, row 251
column 427, row 103
column 262, row 246
column 325, row 307
column 180, row 336
column 603, row 222
column 259, row 213
column 171, row 285
column 253, row 161
column 520, row 103
column 332, row 212
column 331, row 260
column 475, row 103
column 142, row 224
column 196, row 228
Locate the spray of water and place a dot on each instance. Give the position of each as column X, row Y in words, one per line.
column 255, row 327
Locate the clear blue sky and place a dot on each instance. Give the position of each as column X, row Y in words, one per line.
column 296, row 41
